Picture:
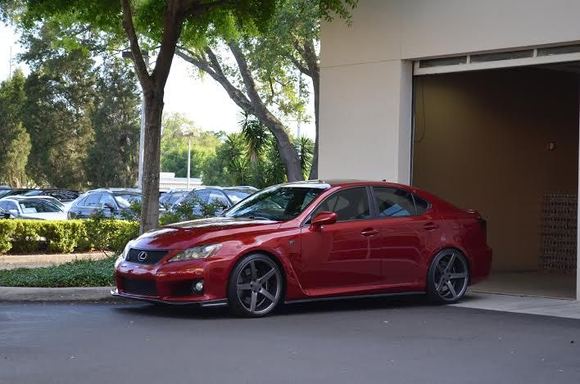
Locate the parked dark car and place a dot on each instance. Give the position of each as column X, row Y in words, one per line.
column 205, row 195
column 63, row 195
column 167, row 199
column 311, row 241
column 110, row 202
column 13, row 191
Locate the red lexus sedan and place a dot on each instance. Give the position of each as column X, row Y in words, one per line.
column 309, row 241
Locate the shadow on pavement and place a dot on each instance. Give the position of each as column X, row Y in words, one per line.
column 315, row 307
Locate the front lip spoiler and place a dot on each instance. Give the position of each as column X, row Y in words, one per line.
column 212, row 303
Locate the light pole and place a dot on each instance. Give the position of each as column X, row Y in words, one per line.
column 129, row 55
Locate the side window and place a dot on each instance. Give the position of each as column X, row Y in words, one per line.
column 81, row 202
column 392, row 202
column 92, row 200
column 107, row 199
column 350, row 204
column 217, row 197
column 201, row 195
column 420, row 205
column 7, row 205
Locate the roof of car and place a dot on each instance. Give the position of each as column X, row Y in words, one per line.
column 22, row 197
column 345, row 182
column 116, row 190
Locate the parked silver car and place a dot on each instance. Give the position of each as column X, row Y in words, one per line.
column 24, row 207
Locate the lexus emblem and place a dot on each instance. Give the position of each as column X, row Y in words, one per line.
column 142, row 256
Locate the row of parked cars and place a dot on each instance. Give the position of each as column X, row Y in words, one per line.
column 60, row 204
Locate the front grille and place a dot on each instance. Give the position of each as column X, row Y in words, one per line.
column 143, row 256
column 139, row 287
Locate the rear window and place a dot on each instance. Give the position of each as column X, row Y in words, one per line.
column 421, row 206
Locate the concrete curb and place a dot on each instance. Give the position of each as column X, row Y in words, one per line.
column 90, row 294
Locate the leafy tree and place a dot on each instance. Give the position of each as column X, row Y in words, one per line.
column 113, row 156
column 15, row 139
column 251, row 157
column 262, row 75
column 177, row 132
column 57, row 112
column 147, row 25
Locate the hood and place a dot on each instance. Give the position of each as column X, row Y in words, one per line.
column 188, row 233
column 219, row 222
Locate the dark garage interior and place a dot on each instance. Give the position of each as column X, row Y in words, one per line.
column 505, row 142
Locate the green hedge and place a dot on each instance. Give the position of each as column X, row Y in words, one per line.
column 65, row 236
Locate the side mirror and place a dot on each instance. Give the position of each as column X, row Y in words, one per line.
column 13, row 212
column 109, row 206
column 322, row 218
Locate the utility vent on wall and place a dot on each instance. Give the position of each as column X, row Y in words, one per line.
column 501, row 59
column 559, row 222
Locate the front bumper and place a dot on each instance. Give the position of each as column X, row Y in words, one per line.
column 149, row 299
column 172, row 283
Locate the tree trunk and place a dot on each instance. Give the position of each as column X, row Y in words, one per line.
column 151, row 167
column 288, row 152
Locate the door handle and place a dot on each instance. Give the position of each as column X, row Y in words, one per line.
column 369, row 232
column 430, row 226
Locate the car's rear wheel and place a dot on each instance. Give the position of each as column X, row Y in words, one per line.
column 448, row 277
column 255, row 286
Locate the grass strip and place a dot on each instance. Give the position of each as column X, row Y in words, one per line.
column 79, row 273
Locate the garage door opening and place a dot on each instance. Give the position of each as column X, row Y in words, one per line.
column 505, row 142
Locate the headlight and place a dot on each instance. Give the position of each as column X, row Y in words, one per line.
column 194, row 253
column 123, row 255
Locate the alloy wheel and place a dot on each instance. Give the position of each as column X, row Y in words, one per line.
column 258, row 285
column 450, row 275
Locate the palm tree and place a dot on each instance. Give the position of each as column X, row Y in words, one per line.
column 305, row 147
column 256, row 137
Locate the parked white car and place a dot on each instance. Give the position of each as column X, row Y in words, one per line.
column 24, row 207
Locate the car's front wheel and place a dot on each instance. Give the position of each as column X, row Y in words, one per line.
column 448, row 277
column 255, row 286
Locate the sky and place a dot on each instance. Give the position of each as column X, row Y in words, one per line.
column 203, row 100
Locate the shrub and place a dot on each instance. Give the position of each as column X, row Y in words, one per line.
column 7, row 228
column 28, row 236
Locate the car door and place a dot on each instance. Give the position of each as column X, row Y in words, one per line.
column 108, row 206
column 401, row 237
column 335, row 258
column 10, row 207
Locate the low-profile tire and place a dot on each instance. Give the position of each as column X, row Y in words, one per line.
column 255, row 286
column 448, row 277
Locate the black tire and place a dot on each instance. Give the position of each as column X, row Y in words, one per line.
column 448, row 277
column 255, row 286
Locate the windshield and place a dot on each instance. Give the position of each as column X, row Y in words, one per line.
column 37, row 206
column 34, row 192
column 279, row 203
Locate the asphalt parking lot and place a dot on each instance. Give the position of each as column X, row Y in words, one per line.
column 365, row 341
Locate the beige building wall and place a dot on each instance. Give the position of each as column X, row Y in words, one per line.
column 366, row 77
